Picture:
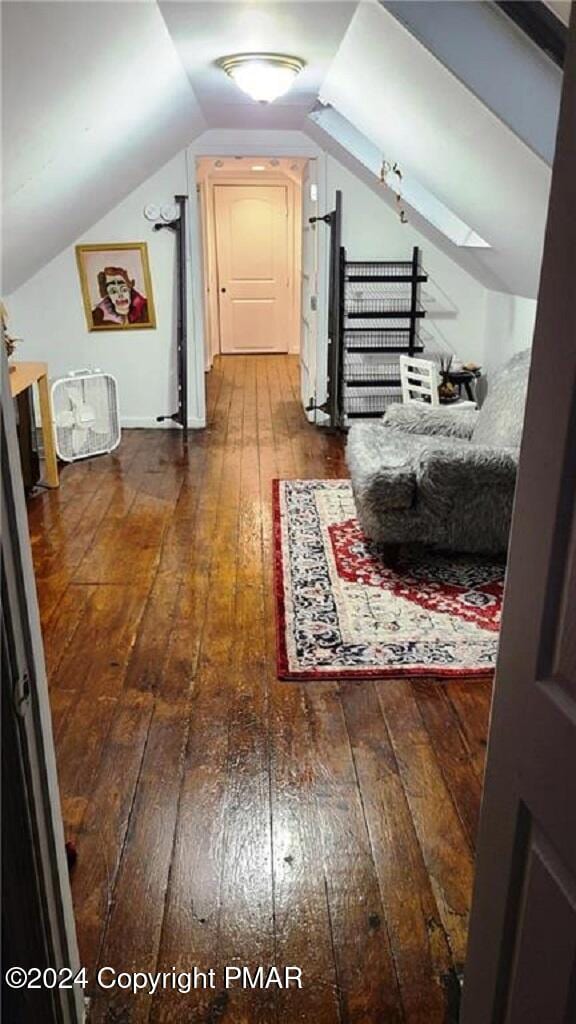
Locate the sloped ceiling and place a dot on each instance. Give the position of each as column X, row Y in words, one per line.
column 520, row 83
column 205, row 31
column 464, row 257
column 561, row 8
column 421, row 116
column 98, row 95
column 94, row 101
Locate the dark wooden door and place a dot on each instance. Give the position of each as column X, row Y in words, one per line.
column 37, row 923
column 521, row 964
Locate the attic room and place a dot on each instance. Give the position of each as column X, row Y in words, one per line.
column 288, row 477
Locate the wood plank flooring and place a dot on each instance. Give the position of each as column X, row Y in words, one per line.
column 222, row 817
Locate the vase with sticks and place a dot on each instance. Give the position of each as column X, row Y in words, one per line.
column 446, row 390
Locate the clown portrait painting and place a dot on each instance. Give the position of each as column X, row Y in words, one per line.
column 116, row 286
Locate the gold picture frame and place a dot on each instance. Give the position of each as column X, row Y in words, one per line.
column 116, row 286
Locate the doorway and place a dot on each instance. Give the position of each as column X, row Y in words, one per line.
column 251, row 216
column 254, row 268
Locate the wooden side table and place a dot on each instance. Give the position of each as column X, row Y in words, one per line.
column 23, row 376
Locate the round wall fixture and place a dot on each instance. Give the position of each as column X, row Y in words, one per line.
column 169, row 212
column 152, row 211
column 263, row 76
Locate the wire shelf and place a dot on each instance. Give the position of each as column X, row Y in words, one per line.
column 372, row 288
column 377, row 305
column 393, row 338
column 376, row 318
column 369, row 267
column 379, row 270
column 374, row 323
column 360, row 402
column 368, row 370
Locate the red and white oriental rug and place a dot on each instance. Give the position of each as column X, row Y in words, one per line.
column 343, row 614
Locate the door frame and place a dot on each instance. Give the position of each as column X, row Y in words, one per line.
column 229, row 143
column 206, row 190
column 309, row 305
column 45, row 899
column 526, row 852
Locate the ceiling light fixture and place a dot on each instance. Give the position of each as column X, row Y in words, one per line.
column 263, row 76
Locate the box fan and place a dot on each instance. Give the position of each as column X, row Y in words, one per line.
column 86, row 415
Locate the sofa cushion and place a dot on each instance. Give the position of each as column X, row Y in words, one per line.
column 380, row 463
column 383, row 463
column 418, row 418
column 501, row 417
column 442, row 474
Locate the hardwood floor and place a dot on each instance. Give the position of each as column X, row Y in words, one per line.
column 223, row 817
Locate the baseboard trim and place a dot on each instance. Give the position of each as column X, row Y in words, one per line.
column 151, row 423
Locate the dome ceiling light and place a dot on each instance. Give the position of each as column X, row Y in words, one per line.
column 263, row 76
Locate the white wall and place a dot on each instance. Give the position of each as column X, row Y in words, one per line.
column 474, row 322
column 509, row 327
column 444, row 138
column 247, row 142
column 372, row 230
column 47, row 311
column 94, row 100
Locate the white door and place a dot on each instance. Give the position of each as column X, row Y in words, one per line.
column 309, row 327
column 254, row 273
column 521, row 965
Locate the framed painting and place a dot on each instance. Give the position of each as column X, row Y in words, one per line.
column 116, row 286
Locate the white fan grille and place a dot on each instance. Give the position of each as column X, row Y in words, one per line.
column 86, row 417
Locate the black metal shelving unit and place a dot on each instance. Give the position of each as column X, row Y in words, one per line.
column 374, row 316
column 380, row 318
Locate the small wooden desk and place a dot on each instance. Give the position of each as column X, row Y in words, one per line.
column 24, row 376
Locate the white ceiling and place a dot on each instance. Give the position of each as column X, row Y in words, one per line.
column 94, row 101
column 204, row 31
column 441, row 135
column 101, row 93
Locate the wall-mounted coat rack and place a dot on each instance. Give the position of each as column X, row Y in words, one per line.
column 178, row 226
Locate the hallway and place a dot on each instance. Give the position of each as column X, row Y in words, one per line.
column 222, row 817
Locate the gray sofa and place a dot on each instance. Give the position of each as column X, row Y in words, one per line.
column 439, row 476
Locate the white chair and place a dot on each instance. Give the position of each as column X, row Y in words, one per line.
column 420, row 382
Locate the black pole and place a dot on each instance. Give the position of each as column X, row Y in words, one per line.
column 332, row 405
column 337, row 260
column 181, row 335
column 414, row 299
column 179, row 228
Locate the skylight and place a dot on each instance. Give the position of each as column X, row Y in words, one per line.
column 413, row 193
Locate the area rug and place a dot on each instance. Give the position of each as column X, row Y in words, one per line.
column 342, row 613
